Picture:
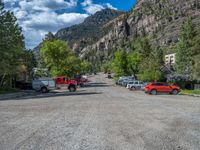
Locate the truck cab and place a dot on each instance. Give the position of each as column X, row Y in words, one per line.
column 65, row 82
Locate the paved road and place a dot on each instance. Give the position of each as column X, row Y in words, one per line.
column 100, row 117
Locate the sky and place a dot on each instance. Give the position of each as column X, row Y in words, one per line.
column 38, row 17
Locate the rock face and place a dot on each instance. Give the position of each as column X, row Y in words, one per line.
column 160, row 19
column 100, row 35
column 90, row 31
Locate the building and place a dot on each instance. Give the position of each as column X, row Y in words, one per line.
column 170, row 58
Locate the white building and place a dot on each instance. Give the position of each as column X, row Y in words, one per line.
column 170, row 58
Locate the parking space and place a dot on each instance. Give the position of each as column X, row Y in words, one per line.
column 100, row 116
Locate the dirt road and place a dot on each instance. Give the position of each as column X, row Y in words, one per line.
column 101, row 116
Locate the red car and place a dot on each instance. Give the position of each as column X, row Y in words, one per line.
column 80, row 81
column 159, row 87
column 64, row 81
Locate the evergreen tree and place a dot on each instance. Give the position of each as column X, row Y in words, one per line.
column 120, row 63
column 11, row 45
column 183, row 51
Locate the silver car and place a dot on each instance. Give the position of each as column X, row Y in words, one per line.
column 135, row 85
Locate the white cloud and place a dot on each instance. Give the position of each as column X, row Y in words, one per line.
column 110, row 6
column 38, row 17
column 92, row 8
column 86, row 3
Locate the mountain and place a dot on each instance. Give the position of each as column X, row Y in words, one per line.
column 159, row 19
column 101, row 34
column 90, row 31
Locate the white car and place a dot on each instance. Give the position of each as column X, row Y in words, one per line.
column 135, row 85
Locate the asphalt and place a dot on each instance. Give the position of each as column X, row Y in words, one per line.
column 101, row 116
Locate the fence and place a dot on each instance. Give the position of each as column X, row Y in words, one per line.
column 197, row 86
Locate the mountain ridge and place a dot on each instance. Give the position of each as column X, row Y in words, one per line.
column 86, row 33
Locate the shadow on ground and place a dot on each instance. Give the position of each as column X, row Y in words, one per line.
column 52, row 95
column 97, row 84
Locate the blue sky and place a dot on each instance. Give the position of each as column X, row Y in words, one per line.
column 38, row 17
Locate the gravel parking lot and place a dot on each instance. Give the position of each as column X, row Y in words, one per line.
column 101, row 116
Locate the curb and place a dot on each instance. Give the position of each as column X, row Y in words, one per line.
column 15, row 95
column 194, row 95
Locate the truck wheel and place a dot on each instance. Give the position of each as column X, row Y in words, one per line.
column 72, row 88
column 44, row 90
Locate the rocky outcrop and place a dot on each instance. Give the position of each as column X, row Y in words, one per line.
column 101, row 33
column 159, row 19
column 90, row 31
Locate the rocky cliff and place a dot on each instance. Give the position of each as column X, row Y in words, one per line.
column 100, row 35
column 160, row 19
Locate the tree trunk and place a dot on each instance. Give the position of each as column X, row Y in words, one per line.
column 2, row 80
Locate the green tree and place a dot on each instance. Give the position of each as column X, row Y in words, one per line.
column 59, row 58
column 196, row 55
column 150, row 60
column 143, row 46
column 183, row 50
column 133, row 60
column 120, row 63
column 11, row 46
column 29, row 62
column 86, row 67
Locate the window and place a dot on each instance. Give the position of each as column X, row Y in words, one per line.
column 65, row 79
column 157, row 84
column 136, row 82
column 165, row 84
column 141, row 83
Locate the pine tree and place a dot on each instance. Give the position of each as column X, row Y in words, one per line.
column 184, row 52
column 11, row 44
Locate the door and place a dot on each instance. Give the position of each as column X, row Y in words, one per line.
column 166, row 87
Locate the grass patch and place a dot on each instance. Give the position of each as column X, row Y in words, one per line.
column 191, row 92
column 8, row 90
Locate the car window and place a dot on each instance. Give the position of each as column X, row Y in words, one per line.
column 136, row 82
column 157, row 84
column 165, row 84
column 65, row 79
column 130, row 82
column 141, row 83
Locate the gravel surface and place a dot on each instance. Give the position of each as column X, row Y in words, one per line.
column 101, row 116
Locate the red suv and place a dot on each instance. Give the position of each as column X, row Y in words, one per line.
column 64, row 81
column 159, row 87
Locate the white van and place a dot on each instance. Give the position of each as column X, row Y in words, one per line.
column 43, row 84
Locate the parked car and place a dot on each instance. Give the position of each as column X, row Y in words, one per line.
column 158, row 87
column 109, row 76
column 66, row 82
column 85, row 78
column 23, row 85
column 80, row 81
column 119, row 82
column 43, row 84
column 135, row 85
column 126, row 81
column 127, row 77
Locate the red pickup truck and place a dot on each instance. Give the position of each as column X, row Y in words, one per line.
column 80, row 81
column 64, row 81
